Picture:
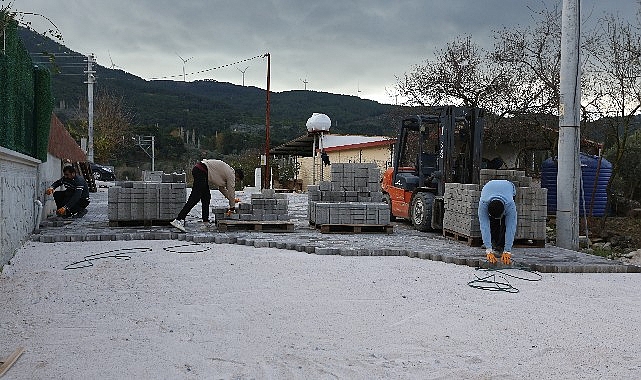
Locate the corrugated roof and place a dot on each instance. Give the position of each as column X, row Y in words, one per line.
column 303, row 145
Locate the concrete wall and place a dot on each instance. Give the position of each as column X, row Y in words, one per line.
column 380, row 155
column 48, row 172
column 18, row 192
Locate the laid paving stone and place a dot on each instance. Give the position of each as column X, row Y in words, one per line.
column 404, row 241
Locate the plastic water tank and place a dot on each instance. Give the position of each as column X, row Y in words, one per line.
column 318, row 122
column 594, row 198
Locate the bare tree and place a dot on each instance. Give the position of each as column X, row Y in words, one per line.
column 533, row 55
column 460, row 74
column 7, row 13
column 112, row 126
column 612, row 86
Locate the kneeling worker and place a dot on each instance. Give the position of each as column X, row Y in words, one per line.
column 497, row 217
column 219, row 175
column 75, row 199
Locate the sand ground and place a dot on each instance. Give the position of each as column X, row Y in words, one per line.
column 167, row 309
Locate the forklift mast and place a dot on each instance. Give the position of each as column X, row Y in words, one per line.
column 444, row 144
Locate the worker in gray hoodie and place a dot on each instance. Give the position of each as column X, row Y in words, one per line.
column 209, row 174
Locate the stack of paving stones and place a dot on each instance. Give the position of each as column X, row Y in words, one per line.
column 267, row 206
column 461, row 206
column 461, row 203
column 145, row 202
column 353, row 196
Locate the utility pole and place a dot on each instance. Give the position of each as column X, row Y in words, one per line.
column 145, row 142
column 267, row 179
column 305, row 83
column 91, row 79
column 568, row 180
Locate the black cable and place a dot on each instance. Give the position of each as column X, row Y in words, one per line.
column 173, row 249
column 120, row 255
column 491, row 283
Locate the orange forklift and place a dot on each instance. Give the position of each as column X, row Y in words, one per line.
column 440, row 146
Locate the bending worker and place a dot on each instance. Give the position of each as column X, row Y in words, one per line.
column 75, row 199
column 497, row 216
column 219, row 175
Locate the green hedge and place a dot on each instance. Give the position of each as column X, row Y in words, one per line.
column 26, row 101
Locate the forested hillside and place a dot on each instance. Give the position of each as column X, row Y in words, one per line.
column 224, row 118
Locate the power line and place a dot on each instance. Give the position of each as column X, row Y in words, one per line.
column 206, row 70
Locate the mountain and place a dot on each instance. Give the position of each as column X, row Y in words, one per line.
column 207, row 107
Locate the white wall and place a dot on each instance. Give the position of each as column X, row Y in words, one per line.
column 381, row 155
column 48, row 172
column 18, row 193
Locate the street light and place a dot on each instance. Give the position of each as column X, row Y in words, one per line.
column 146, row 142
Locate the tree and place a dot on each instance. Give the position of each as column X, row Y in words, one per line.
column 533, row 55
column 7, row 13
column 613, row 81
column 460, row 74
column 613, row 92
column 112, row 126
column 625, row 182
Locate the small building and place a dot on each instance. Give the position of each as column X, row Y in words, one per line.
column 313, row 168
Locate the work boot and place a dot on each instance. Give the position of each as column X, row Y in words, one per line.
column 80, row 213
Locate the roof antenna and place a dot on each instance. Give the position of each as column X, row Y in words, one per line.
column 305, row 82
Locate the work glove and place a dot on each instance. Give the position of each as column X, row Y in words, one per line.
column 230, row 211
column 237, row 200
column 49, row 191
column 490, row 256
column 61, row 211
column 506, row 258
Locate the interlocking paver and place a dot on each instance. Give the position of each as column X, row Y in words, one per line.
column 404, row 241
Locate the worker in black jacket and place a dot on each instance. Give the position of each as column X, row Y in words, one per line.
column 73, row 201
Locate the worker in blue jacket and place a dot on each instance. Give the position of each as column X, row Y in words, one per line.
column 497, row 216
column 73, row 201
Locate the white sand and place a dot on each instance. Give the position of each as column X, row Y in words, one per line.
column 237, row 312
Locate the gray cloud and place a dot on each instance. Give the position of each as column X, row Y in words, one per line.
column 339, row 46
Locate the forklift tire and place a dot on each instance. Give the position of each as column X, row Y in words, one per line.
column 421, row 211
column 388, row 200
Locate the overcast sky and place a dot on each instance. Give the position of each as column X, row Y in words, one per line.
column 351, row 47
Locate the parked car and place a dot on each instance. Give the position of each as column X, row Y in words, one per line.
column 102, row 173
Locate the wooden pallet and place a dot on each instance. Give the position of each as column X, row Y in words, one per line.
column 471, row 241
column 355, row 228
column 84, row 169
column 478, row 241
column 8, row 362
column 134, row 223
column 529, row 243
column 255, row 225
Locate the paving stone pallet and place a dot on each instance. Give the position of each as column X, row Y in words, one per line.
column 133, row 223
column 355, row 228
column 255, row 225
